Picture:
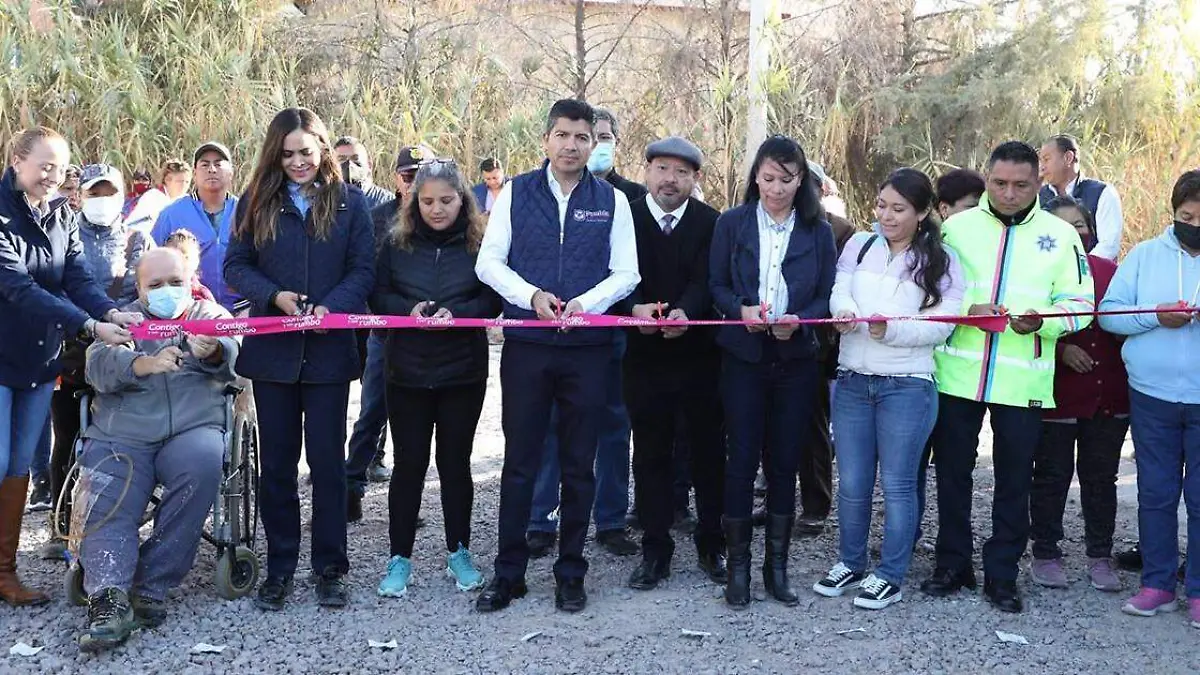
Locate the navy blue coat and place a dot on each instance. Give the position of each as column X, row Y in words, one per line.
column 809, row 267
column 46, row 291
column 337, row 272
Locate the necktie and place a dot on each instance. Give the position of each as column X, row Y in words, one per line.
column 668, row 224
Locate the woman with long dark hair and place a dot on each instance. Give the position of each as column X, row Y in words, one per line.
column 302, row 244
column 772, row 262
column 885, row 403
column 436, row 380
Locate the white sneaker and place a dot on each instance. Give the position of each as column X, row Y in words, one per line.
column 838, row 581
column 877, row 594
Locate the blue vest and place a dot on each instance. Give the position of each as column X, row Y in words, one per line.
column 1086, row 192
column 566, row 261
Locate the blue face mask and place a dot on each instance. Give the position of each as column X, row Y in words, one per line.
column 169, row 302
column 601, row 159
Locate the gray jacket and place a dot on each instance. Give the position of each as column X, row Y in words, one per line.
column 149, row 410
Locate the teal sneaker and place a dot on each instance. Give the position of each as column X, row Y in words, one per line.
column 395, row 584
column 462, row 569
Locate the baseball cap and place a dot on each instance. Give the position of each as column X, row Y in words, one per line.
column 212, row 146
column 411, row 156
column 99, row 173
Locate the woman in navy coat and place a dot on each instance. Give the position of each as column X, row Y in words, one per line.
column 303, row 244
column 773, row 260
column 46, row 293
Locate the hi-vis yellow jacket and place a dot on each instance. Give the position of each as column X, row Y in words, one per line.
column 1036, row 265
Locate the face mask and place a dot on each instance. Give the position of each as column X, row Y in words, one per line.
column 1188, row 235
column 169, row 302
column 103, row 210
column 601, row 159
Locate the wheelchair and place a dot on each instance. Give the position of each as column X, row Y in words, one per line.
column 233, row 524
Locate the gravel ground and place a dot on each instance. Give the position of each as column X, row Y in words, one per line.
column 1078, row 630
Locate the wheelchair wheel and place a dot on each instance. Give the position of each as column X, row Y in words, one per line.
column 73, row 585
column 246, row 449
column 236, row 573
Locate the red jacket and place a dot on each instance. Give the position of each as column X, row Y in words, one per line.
column 1105, row 390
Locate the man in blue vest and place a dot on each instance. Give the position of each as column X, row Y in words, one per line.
column 1059, row 169
column 488, row 191
column 207, row 213
column 560, row 242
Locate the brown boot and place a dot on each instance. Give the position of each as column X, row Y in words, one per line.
column 13, row 491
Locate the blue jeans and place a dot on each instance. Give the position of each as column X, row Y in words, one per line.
column 23, row 415
column 880, row 421
column 612, row 461
column 1166, row 437
column 368, row 438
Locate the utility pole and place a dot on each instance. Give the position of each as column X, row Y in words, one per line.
column 760, row 65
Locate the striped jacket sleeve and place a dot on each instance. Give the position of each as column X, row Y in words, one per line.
column 1072, row 290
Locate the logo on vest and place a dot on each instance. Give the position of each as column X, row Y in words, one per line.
column 1046, row 243
column 585, row 216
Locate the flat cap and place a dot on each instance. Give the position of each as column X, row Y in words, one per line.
column 677, row 147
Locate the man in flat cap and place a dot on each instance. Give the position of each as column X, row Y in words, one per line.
column 673, row 371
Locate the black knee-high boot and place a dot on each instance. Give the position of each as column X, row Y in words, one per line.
column 738, row 533
column 774, row 569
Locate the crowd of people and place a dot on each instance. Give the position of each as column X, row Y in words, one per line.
column 754, row 406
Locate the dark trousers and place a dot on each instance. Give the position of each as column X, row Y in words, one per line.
column 414, row 414
column 312, row 416
column 657, row 396
column 768, row 409
column 816, row 462
column 533, row 378
column 64, row 414
column 956, row 437
column 1099, row 441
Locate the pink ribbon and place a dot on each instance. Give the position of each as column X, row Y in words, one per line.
column 156, row 329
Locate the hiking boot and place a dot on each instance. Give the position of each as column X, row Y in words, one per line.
column 148, row 612
column 1049, row 573
column 1103, row 575
column 1150, row 601
column 461, row 567
column 377, row 472
column 110, row 621
column 395, row 582
column 837, row 581
column 331, row 590
column 877, row 594
column 273, row 592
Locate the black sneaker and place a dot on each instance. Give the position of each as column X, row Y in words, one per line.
column 839, row 580
column 148, row 612
column 540, row 543
column 877, row 594
column 617, row 542
column 273, row 592
column 110, row 621
column 39, row 497
column 331, row 590
column 499, row 594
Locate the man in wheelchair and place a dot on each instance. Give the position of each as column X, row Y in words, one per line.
column 158, row 418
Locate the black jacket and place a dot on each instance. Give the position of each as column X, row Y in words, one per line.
column 46, row 291
column 444, row 274
column 336, row 272
column 674, row 271
column 632, row 191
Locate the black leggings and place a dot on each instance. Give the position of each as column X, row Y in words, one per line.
column 413, row 415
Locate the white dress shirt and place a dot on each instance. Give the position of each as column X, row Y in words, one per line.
column 1110, row 222
column 492, row 264
column 659, row 214
column 773, row 241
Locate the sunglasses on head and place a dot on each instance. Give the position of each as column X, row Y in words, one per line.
column 434, row 167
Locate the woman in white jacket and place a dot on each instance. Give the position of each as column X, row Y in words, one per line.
column 885, row 403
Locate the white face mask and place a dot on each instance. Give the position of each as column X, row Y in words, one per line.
column 103, row 210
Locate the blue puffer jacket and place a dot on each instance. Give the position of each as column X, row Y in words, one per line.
column 46, row 291
column 337, row 272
